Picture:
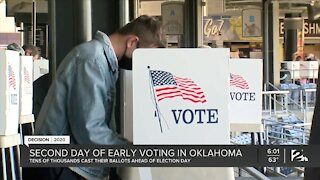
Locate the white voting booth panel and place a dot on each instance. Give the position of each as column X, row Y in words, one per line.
column 9, row 91
column 162, row 80
column 126, row 104
column 26, row 77
column 180, row 120
column 245, row 95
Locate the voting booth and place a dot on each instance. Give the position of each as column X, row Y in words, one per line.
column 9, row 92
column 26, row 77
column 26, row 89
column 245, row 95
column 179, row 97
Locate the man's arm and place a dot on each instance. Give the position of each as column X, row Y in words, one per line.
column 88, row 107
column 284, row 77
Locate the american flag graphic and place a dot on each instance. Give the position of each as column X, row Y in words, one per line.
column 238, row 81
column 169, row 86
column 12, row 78
column 26, row 75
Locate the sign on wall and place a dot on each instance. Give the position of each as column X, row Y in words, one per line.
column 180, row 97
column 225, row 28
column 251, row 23
column 230, row 28
column 172, row 17
column 311, row 28
column 245, row 91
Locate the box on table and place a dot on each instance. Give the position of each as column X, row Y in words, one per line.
column 294, row 67
column 309, row 69
column 26, row 76
column 9, row 92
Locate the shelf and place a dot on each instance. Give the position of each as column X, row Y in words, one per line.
column 246, row 127
column 26, row 119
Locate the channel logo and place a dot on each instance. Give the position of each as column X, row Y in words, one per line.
column 297, row 155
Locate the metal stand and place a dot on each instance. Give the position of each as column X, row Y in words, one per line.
column 9, row 142
column 24, row 119
column 256, row 131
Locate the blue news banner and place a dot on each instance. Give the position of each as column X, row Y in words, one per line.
column 172, row 156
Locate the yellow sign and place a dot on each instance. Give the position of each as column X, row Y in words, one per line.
column 225, row 28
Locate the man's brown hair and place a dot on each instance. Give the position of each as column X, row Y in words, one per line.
column 147, row 28
column 33, row 49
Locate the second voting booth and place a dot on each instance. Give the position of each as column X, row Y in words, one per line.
column 245, row 95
